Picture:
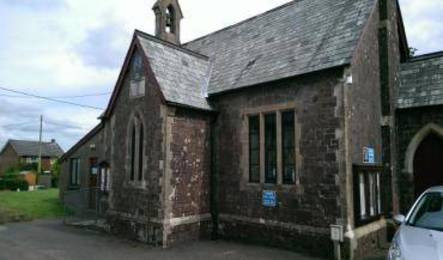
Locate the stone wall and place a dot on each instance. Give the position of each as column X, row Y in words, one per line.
column 137, row 204
column 314, row 202
column 85, row 152
column 188, row 168
column 363, row 110
column 409, row 124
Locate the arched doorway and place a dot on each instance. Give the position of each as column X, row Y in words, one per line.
column 428, row 163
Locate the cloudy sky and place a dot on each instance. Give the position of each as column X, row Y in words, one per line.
column 66, row 48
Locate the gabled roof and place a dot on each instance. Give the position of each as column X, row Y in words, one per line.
column 82, row 141
column 421, row 81
column 299, row 37
column 31, row 148
column 180, row 73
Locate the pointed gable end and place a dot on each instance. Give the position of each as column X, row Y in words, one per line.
column 180, row 75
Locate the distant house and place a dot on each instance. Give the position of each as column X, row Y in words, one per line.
column 16, row 152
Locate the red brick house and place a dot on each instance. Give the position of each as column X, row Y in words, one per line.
column 20, row 152
column 270, row 130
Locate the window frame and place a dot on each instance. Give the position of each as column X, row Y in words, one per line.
column 271, row 148
column 251, row 149
column 368, row 198
column 293, row 147
column 261, row 112
column 136, row 143
column 74, row 172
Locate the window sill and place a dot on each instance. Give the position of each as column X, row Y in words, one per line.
column 368, row 220
column 272, row 186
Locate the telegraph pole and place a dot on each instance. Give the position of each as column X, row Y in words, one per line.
column 39, row 169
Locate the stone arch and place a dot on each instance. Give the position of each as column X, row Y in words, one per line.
column 415, row 143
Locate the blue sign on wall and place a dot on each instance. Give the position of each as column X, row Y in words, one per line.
column 368, row 155
column 269, row 198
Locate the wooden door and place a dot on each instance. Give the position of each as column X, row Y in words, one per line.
column 428, row 164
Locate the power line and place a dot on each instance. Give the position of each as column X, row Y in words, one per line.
column 78, row 96
column 17, row 124
column 50, row 99
column 63, row 125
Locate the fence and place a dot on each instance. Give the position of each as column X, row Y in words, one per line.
column 83, row 206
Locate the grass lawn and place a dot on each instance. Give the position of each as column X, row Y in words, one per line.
column 19, row 206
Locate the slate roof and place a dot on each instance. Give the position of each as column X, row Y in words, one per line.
column 299, row 37
column 421, row 81
column 31, row 148
column 181, row 74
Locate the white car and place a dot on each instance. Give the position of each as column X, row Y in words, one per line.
column 420, row 235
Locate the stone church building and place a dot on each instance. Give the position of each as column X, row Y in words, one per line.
column 268, row 131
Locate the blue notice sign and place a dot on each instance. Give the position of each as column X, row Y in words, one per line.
column 368, row 155
column 269, row 198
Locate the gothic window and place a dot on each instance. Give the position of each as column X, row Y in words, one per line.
column 288, row 147
column 254, row 149
column 132, row 152
column 137, row 76
column 170, row 19
column 136, row 150
column 140, row 153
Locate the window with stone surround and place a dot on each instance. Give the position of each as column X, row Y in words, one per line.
column 132, row 155
column 136, row 149
column 254, row 148
column 137, row 77
column 74, row 169
column 272, row 146
column 367, row 194
column 288, row 146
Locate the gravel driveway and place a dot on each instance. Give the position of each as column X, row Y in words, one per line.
column 50, row 239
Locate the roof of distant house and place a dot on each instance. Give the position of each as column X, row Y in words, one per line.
column 32, row 148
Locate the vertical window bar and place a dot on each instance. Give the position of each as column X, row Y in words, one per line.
column 132, row 153
column 77, row 171
column 371, row 195
column 254, row 149
column 378, row 194
column 288, row 147
column 270, row 149
column 140, row 154
column 362, row 196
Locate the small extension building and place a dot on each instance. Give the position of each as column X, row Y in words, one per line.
column 270, row 130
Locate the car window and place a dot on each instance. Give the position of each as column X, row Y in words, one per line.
column 428, row 213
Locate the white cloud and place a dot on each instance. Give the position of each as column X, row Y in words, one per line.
column 423, row 24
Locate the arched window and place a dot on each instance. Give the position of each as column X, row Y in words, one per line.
column 136, row 149
column 140, row 153
column 132, row 149
column 170, row 19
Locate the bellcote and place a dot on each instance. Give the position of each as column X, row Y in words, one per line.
column 168, row 16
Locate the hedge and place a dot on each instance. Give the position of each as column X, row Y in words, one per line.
column 13, row 184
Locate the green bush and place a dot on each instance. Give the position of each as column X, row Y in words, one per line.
column 13, row 181
column 29, row 167
column 11, row 175
column 14, row 184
